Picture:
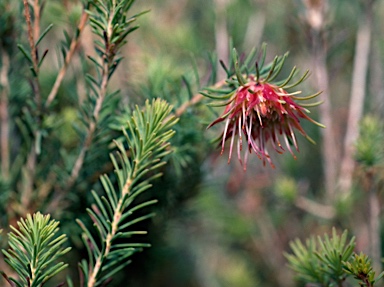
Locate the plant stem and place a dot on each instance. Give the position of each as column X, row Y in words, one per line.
column 91, row 129
column 99, row 103
column 195, row 99
column 4, row 115
column 92, row 280
column 36, row 22
column 72, row 48
column 33, row 32
column 315, row 208
column 316, row 12
column 374, row 223
column 367, row 283
column 356, row 105
column 328, row 144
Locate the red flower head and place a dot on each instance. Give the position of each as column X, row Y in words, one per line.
column 259, row 112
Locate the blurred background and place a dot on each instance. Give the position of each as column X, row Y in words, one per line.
column 227, row 227
column 217, row 225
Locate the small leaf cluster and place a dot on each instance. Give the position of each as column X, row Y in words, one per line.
column 360, row 266
column 305, row 263
column 321, row 261
column 111, row 24
column 34, row 249
column 333, row 252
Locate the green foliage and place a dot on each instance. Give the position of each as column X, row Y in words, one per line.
column 305, row 262
column 111, row 24
column 147, row 137
column 360, row 267
column 137, row 161
column 254, row 64
column 333, row 252
column 321, row 261
column 59, row 145
column 369, row 148
column 34, row 250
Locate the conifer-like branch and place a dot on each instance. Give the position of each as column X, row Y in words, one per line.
column 33, row 250
column 110, row 24
column 321, row 263
column 147, row 137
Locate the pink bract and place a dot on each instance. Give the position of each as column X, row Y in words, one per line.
column 259, row 113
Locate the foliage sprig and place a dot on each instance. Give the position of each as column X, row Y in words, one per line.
column 136, row 165
column 321, row 262
column 111, row 25
column 360, row 266
column 333, row 251
column 34, row 249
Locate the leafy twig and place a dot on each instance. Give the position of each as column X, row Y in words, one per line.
column 92, row 127
column 33, row 249
column 147, row 137
column 112, row 27
column 72, row 48
column 322, row 263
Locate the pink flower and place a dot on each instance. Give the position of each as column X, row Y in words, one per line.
column 257, row 113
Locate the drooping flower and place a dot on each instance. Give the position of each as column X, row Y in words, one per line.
column 258, row 112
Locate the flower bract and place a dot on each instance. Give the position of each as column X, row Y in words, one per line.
column 258, row 112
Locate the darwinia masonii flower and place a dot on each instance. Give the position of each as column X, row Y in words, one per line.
column 259, row 112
